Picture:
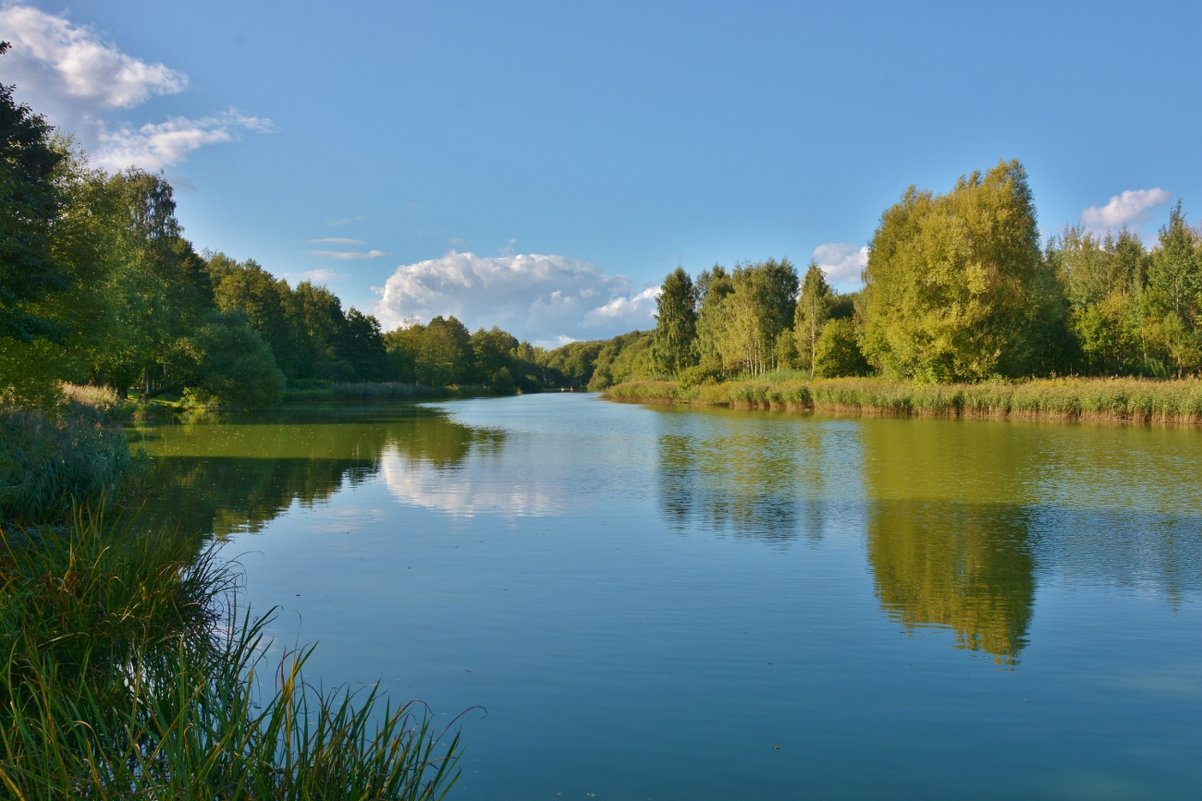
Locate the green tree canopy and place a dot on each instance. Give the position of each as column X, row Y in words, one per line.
column 30, row 204
column 674, row 347
column 1175, row 271
column 444, row 353
column 743, row 315
column 813, row 308
column 952, row 287
column 232, row 365
column 837, row 351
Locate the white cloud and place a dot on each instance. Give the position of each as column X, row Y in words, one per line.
column 536, row 297
column 524, row 493
column 336, row 240
column 621, row 308
column 158, row 145
column 79, row 81
column 1132, row 206
column 321, row 276
column 842, row 263
column 348, row 255
column 53, row 56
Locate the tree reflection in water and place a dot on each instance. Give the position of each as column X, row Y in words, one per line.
column 229, row 476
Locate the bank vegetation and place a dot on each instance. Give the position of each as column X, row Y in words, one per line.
column 1095, row 399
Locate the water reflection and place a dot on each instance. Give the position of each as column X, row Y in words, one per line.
column 1122, row 506
column 231, row 477
column 948, row 535
column 959, row 520
column 766, row 477
column 961, row 565
column 490, row 485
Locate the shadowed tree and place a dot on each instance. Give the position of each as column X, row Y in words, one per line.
column 30, row 203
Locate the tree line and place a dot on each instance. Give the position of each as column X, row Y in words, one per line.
column 956, row 288
column 98, row 285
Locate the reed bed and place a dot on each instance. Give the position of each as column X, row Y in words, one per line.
column 51, row 460
column 1096, row 399
column 126, row 671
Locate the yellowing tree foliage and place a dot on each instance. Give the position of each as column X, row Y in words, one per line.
column 952, row 288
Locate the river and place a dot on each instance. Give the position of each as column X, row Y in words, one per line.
column 621, row 602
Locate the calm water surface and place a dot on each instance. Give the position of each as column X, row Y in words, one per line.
column 648, row 603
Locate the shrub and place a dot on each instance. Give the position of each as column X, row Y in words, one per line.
column 233, row 366
column 837, row 352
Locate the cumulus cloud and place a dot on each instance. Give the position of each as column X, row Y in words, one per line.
column 1132, row 206
column 621, row 308
column 536, row 297
column 158, row 145
column 53, row 56
column 348, row 255
column 842, row 263
column 79, row 81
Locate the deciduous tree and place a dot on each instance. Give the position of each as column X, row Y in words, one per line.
column 951, row 283
column 674, row 347
column 811, row 315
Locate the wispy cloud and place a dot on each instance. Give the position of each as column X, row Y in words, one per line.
column 1129, row 207
column 335, row 240
column 322, row 276
column 542, row 298
column 348, row 255
column 80, row 82
column 842, row 263
column 158, row 145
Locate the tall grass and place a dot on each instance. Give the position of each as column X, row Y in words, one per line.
column 103, row 400
column 52, row 460
column 127, row 672
column 1118, row 399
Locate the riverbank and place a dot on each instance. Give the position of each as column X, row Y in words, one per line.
column 127, row 667
column 1089, row 399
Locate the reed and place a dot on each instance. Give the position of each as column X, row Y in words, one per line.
column 50, row 461
column 1097, row 399
column 126, row 671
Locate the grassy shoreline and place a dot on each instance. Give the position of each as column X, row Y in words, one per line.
column 127, row 669
column 1068, row 399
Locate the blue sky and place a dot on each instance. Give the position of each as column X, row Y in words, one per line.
column 542, row 166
